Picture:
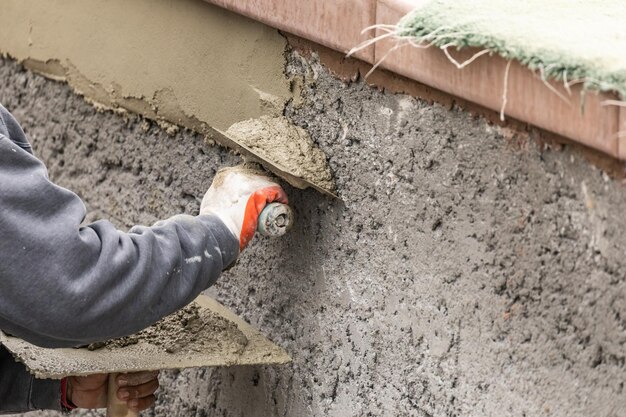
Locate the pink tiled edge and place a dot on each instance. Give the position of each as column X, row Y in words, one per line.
column 482, row 82
column 622, row 133
column 333, row 23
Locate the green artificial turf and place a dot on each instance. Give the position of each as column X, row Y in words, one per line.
column 568, row 40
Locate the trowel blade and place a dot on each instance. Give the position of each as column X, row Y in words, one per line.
column 268, row 158
column 60, row 363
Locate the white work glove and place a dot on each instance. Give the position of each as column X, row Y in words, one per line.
column 237, row 196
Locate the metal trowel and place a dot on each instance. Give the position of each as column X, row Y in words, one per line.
column 282, row 148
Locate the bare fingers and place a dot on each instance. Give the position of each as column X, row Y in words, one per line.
column 141, row 403
column 136, row 378
column 137, row 389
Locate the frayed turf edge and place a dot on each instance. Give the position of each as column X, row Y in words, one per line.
column 424, row 32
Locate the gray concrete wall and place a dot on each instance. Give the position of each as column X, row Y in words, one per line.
column 463, row 274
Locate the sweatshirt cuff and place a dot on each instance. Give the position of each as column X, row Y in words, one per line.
column 45, row 394
column 227, row 242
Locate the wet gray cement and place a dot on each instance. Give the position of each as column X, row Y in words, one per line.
column 290, row 147
column 464, row 274
column 190, row 329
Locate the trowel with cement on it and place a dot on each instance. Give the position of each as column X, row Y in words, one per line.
column 203, row 334
column 288, row 152
column 282, row 148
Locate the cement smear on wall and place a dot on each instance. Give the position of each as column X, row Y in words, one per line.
column 465, row 274
column 183, row 61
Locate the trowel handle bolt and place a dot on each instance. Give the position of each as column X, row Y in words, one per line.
column 275, row 220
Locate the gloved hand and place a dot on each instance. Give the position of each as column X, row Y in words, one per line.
column 237, row 196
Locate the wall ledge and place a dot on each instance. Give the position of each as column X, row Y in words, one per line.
column 338, row 25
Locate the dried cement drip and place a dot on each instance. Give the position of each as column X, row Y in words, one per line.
column 191, row 329
column 287, row 146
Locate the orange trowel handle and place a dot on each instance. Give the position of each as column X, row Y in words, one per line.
column 115, row 406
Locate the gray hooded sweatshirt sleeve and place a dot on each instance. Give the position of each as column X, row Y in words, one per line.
column 63, row 284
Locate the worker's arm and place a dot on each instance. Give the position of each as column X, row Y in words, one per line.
column 63, row 284
column 21, row 392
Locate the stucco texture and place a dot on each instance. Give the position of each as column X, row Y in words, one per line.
column 463, row 274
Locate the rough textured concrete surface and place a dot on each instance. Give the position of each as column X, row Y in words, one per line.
column 464, row 274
